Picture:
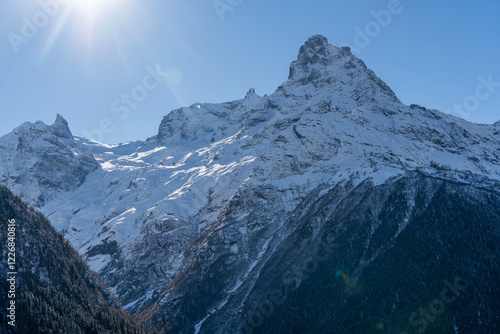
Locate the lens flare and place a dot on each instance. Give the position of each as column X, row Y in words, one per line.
column 353, row 287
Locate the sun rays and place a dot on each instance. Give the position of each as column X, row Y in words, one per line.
column 84, row 22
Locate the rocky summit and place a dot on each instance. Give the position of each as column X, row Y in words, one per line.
column 327, row 206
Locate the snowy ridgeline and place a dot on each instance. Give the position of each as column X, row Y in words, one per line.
column 133, row 209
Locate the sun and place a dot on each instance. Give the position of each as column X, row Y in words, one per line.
column 93, row 5
column 88, row 21
column 94, row 8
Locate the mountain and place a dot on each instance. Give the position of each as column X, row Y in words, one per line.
column 52, row 289
column 210, row 226
column 40, row 162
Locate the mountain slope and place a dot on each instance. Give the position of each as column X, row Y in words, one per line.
column 350, row 260
column 54, row 290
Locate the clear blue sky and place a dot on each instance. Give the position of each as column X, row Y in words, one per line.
column 90, row 52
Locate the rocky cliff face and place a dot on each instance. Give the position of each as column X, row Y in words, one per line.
column 196, row 227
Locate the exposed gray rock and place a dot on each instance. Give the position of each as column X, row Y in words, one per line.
column 60, row 128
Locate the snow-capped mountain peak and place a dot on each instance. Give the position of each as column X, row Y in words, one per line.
column 316, row 51
column 322, row 66
column 38, row 161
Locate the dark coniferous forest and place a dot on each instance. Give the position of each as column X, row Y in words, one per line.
column 56, row 292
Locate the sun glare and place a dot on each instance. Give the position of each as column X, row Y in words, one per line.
column 94, row 5
column 92, row 22
column 94, row 17
column 91, row 9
